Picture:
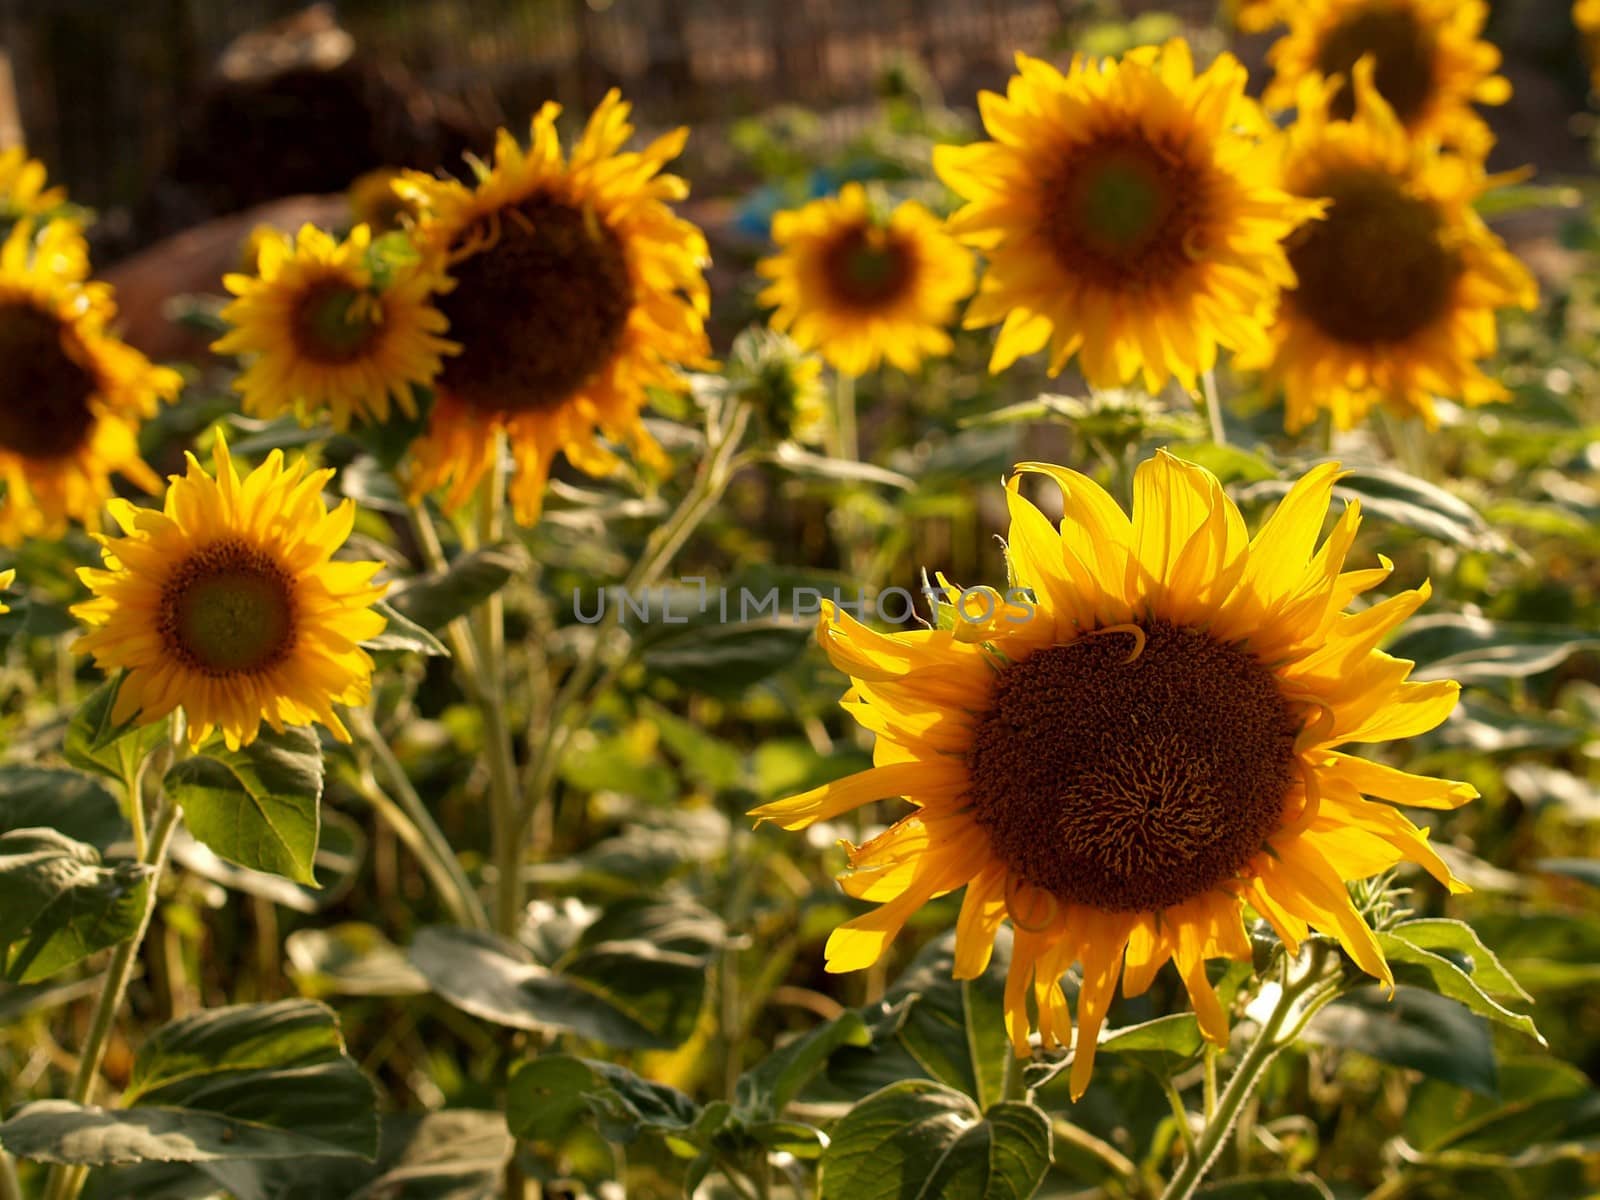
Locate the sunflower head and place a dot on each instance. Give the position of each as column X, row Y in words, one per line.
column 1586, row 18
column 1429, row 63
column 1155, row 740
column 76, row 393
column 7, row 578
column 375, row 203
column 228, row 604
column 1129, row 214
column 334, row 329
column 575, row 288
column 1397, row 285
column 860, row 285
column 782, row 382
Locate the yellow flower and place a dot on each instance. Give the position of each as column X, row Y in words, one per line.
column 7, row 578
column 1153, row 743
column 1431, row 65
column 1128, row 214
column 24, row 197
column 859, row 287
column 1398, row 284
column 75, row 394
column 576, row 289
column 324, row 333
column 228, row 603
column 1586, row 17
column 1256, row 16
column 374, row 202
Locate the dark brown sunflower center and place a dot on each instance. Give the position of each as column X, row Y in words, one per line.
column 228, row 610
column 1132, row 785
column 867, row 269
column 539, row 311
column 335, row 323
column 1376, row 269
column 45, row 411
column 1124, row 212
column 1402, row 52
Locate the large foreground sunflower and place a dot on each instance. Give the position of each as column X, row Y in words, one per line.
column 326, row 332
column 859, row 287
column 576, row 289
column 1431, row 63
column 1398, row 284
column 1128, row 213
column 228, row 603
column 74, row 393
column 1155, row 744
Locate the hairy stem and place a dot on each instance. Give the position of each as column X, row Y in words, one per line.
column 66, row 1182
column 399, row 804
column 1208, row 387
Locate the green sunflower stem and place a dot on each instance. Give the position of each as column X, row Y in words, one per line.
column 405, row 812
column 590, row 677
column 66, row 1182
column 1213, row 402
column 1298, row 1002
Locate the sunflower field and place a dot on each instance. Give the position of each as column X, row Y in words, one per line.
column 1039, row 642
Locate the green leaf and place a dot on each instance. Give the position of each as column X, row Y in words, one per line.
column 1417, row 1030
column 917, row 1140
column 725, row 660
column 58, row 905
column 258, row 806
column 350, row 959
column 250, row 1081
column 815, row 466
column 1457, row 941
column 708, row 761
column 341, row 854
column 95, row 743
column 1542, row 1104
column 631, row 995
column 433, row 601
column 767, row 1088
column 1162, row 1046
column 69, row 802
column 404, row 635
column 1475, row 650
column 547, row 1096
column 1392, row 495
column 1420, row 967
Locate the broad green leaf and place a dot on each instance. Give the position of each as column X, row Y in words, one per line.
column 1161, row 1046
column 1392, row 495
column 1440, row 1115
column 725, row 660
column 1417, row 1029
column 404, row 635
column 1412, row 964
column 930, row 1023
column 350, row 959
column 95, row 743
column 768, row 1087
column 1475, row 650
column 918, row 1140
column 341, row 854
column 258, row 806
column 546, row 1096
column 58, row 904
column 1485, row 725
column 1538, row 785
column 433, row 601
column 250, row 1081
column 707, row 761
column 1456, row 941
column 633, row 996
column 69, row 802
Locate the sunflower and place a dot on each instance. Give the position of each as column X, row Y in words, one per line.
column 575, row 289
column 1128, row 213
column 75, row 394
column 858, row 286
column 1255, row 16
column 1431, row 65
column 7, row 578
column 1121, row 766
column 228, row 603
column 374, row 202
column 24, row 197
column 330, row 327
column 1398, row 284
